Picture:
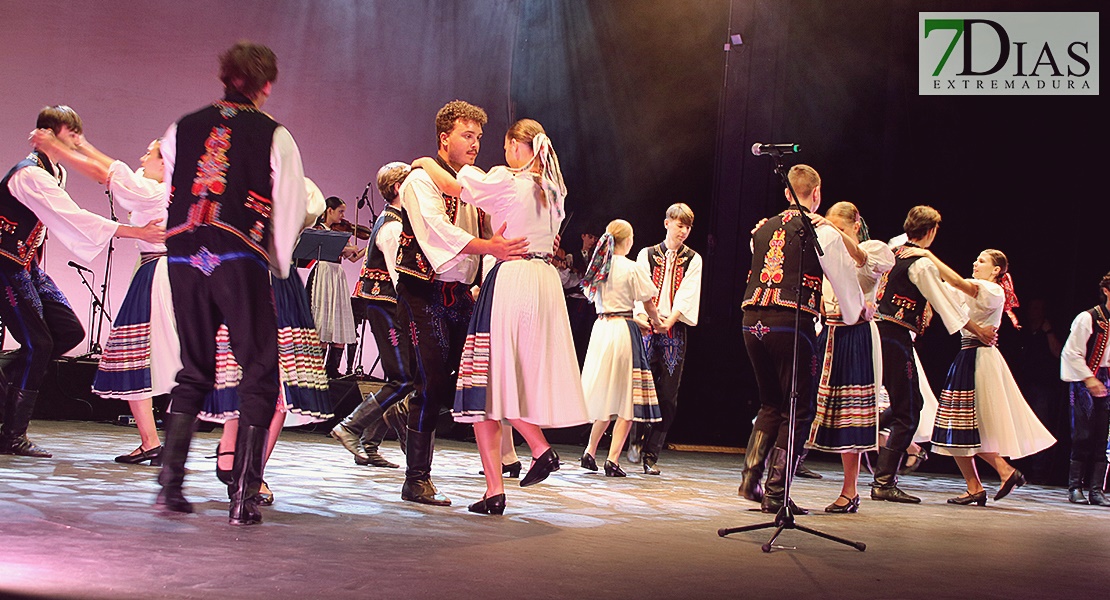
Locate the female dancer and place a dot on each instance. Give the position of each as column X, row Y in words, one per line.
column 847, row 418
column 331, row 297
column 616, row 377
column 141, row 356
column 303, row 396
column 503, row 374
column 982, row 412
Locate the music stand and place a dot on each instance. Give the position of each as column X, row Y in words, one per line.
column 320, row 244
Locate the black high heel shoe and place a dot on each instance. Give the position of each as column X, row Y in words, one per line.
column 612, row 469
column 1016, row 479
column 969, row 498
column 851, row 507
column 588, row 462
column 511, row 469
column 224, row 475
column 489, row 506
column 154, row 455
column 547, row 463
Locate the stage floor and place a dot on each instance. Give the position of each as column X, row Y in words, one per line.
column 81, row 526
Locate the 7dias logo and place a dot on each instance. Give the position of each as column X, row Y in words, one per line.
column 1008, row 54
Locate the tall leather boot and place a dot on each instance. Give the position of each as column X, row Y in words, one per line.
column 1097, row 483
column 1076, row 473
column 755, row 456
column 175, row 450
column 372, row 438
column 775, row 490
column 418, row 476
column 802, row 470
column 885, row 485
column 351, row 350
column 350, row 429
column 397, row 417
column 331, row 362
column 17, row 416
column 246, row 476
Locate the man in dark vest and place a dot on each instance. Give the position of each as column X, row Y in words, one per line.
column 237, row 204
column 363, row 430
column 770, row 303
column 1085, row 364
column 908, row 296
column 32, row 200
column 439, row 260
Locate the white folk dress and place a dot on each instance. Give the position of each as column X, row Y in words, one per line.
column 531, row 372
column 331, row 304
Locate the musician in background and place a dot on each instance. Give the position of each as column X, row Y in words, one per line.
column 331, row 297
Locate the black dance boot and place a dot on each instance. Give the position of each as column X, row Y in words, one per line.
column 349, row 431
column 754, row 458
column 803, row 471
column 372, row 438
column 1075, row 483
column 775, row 490
column 175, row 450
column 418, row 476
column 397, row 417
column 17, row 416
column 885, row 485
column 246, row 476
column 331, row 363
column 653, row 445
column 351, row 349
column 1097, row 483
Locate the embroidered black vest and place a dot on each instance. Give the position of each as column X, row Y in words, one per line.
column 20, row 228
column 775, row 248
column 373, row 281
column 222, row 175
column 1096, row 344
column 657, row 258
column 899, row 299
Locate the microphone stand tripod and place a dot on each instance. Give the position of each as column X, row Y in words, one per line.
column 98, row 312
column 784, row 519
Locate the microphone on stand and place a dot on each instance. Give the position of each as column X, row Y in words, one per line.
column 80, row 267
column 759, row 149
column 362, row 201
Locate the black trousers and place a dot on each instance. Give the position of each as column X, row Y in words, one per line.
column 666, row 355
column 436, row 314
column 39, row 317
column 238, row 293
column 902, row 385
column 1090, row 421
column 769, row 340
column 395, row 350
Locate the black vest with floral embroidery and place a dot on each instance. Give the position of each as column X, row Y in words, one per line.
column 20, row 228
column 1100, row 330
column 374, row 282
column 222, row 176
column 773, row 280
column 899, row 299
column 657, row 259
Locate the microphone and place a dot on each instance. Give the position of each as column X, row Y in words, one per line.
column 362, row 202
column 774, row 149
column 80, row 267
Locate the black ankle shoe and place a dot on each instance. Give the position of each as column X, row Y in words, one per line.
column 543, row 466
column 649, row 465
column 979, row 498
column 851, row 507
column 489, row 506
column 511, row 469
column 612, row 469
column 588, row 462
column 154, row 455
column 1016, row 479
column 224, row 475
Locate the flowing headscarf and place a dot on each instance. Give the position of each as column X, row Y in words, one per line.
column 598, row 269
column 550, row 176
column 1011, row 303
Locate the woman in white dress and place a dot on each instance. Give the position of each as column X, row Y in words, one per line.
column 847, row 417
column 518, row 364
column 981, row 411
column 330, row 294
column 616, row 378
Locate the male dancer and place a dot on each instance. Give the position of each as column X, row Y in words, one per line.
column 770, row 301
column 676, row 271
column 1085, row 364
column 32, row 200
column 232, row 217
column 907, row 296
column 363, row 430
column 437, row 263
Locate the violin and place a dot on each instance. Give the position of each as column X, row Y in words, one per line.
column 361, row 232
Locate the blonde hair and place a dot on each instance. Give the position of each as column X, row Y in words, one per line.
column 389, row 176
column 620, row 229
column 804, row 179
column 681, row 212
